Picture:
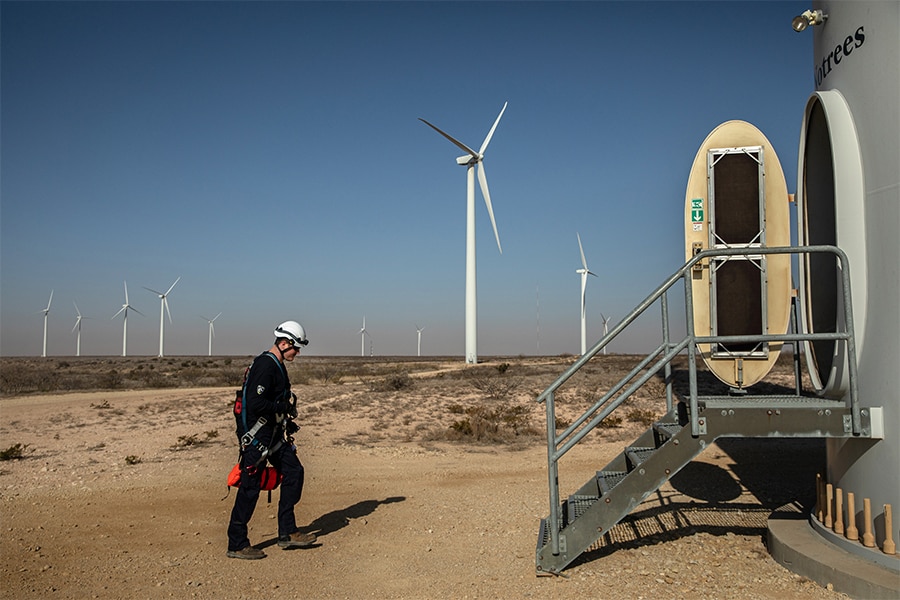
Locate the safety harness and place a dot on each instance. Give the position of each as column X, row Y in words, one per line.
column 249, row 438
column 271, row 478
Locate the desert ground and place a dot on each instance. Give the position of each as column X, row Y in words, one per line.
column 424, row 479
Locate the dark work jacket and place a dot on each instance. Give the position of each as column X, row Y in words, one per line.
column 267, row 393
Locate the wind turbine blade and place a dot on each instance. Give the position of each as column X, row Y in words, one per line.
column 126, row 292
column 217, row 316
column 173, row 285
column 166, row 305
column 136, row 310
column 77, row 312
column 482, row 179
column 490, row 134
column 212, row 329
column 125, row 307
column 458, row 144
column 581, row 249
column 160, row 294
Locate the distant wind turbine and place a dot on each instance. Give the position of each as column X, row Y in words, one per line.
column 605, row 328
column 212, row 330
column 77, row 327
column 419, row 331
column 163, row 310
column 125, row 308
column 584, row 272
column 469, row 160
column 363, row 333
column 46, row 312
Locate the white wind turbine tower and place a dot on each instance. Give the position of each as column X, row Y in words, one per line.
column 584, row 272
column 46, row 312
column 163, row 310
column 212, row 330
column 362, row 342
column 469, row 160
column 125, row 308
column 419, row 331
column 78, row 327
column 605, row 328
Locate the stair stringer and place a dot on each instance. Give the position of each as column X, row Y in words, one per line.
column 608, row 509
column 594, row 512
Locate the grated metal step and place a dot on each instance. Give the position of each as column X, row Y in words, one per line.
column 637, row 455
column 666, row 431
column 577, row 504
column 768, row 401
column 607, row 480
column 543, row 535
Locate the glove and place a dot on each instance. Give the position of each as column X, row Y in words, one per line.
column 286, row 408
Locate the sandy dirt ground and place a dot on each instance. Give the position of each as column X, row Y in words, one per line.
column 122, row 495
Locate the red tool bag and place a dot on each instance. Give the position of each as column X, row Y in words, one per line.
column 270, row 480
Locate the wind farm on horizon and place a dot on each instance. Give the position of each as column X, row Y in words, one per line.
column 473, row 161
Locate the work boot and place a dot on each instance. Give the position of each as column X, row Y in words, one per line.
column 297, row 540
column 248, row 553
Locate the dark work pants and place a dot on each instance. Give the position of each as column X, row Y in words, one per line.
column 285, row 460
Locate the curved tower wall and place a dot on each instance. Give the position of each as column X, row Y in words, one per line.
column 857, row 100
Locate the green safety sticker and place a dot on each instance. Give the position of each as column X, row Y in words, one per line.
column 697, row 210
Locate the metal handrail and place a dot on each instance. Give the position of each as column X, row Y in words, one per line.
column 559, row 444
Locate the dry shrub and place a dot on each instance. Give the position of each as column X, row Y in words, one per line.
column 186, row 441
column 493, row 383
column 395, row 382
column 502, row 423
column 610, row 422
column 328, row 373
column 391, row 382
column 16, row 451
column 642, row 416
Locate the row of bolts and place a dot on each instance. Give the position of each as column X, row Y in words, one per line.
column 827, row 495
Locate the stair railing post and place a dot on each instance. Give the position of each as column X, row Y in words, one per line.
column 667, row 371
column 851, row 342
column 552, row 476
column 692, row 352
column 798, row 385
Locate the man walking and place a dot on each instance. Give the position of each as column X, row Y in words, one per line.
column 265, row 428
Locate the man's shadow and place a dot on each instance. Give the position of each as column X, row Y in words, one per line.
column 338, row 519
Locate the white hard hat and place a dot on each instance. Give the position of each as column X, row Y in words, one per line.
column 293, row 331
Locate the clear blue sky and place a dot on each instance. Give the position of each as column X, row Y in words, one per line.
column 270, row 155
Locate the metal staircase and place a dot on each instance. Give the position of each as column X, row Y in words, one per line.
column 688, row 427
